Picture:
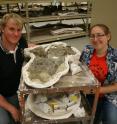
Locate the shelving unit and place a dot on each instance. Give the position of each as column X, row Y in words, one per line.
column 63, row 87
column 24, row 9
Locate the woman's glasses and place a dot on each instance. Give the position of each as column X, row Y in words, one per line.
column 98, row 36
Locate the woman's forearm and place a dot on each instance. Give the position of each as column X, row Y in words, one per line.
column 109, row 88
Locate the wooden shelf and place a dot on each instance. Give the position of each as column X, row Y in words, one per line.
column 57, row 18
column 50, row 38
column 39, row 1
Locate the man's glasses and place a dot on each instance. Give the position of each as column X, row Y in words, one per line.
column 98, row 36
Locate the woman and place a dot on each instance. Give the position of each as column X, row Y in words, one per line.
column 101, row 58
column 11, row 59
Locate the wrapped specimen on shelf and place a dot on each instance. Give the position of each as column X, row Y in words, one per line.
column 56, row 106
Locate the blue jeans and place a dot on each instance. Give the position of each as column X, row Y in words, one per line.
column 106, row 112
column 109, row 114
column 5, row 117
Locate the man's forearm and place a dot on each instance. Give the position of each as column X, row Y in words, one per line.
column 4, row 103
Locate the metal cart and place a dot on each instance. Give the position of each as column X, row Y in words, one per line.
column 69, row 84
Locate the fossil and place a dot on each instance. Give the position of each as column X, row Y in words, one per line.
column 47, row 64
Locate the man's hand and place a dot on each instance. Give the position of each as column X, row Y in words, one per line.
column 16, row 114
column 31, row 45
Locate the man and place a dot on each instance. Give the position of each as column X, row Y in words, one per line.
column 11, row 59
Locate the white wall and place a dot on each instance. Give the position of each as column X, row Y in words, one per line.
column 105, row 11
